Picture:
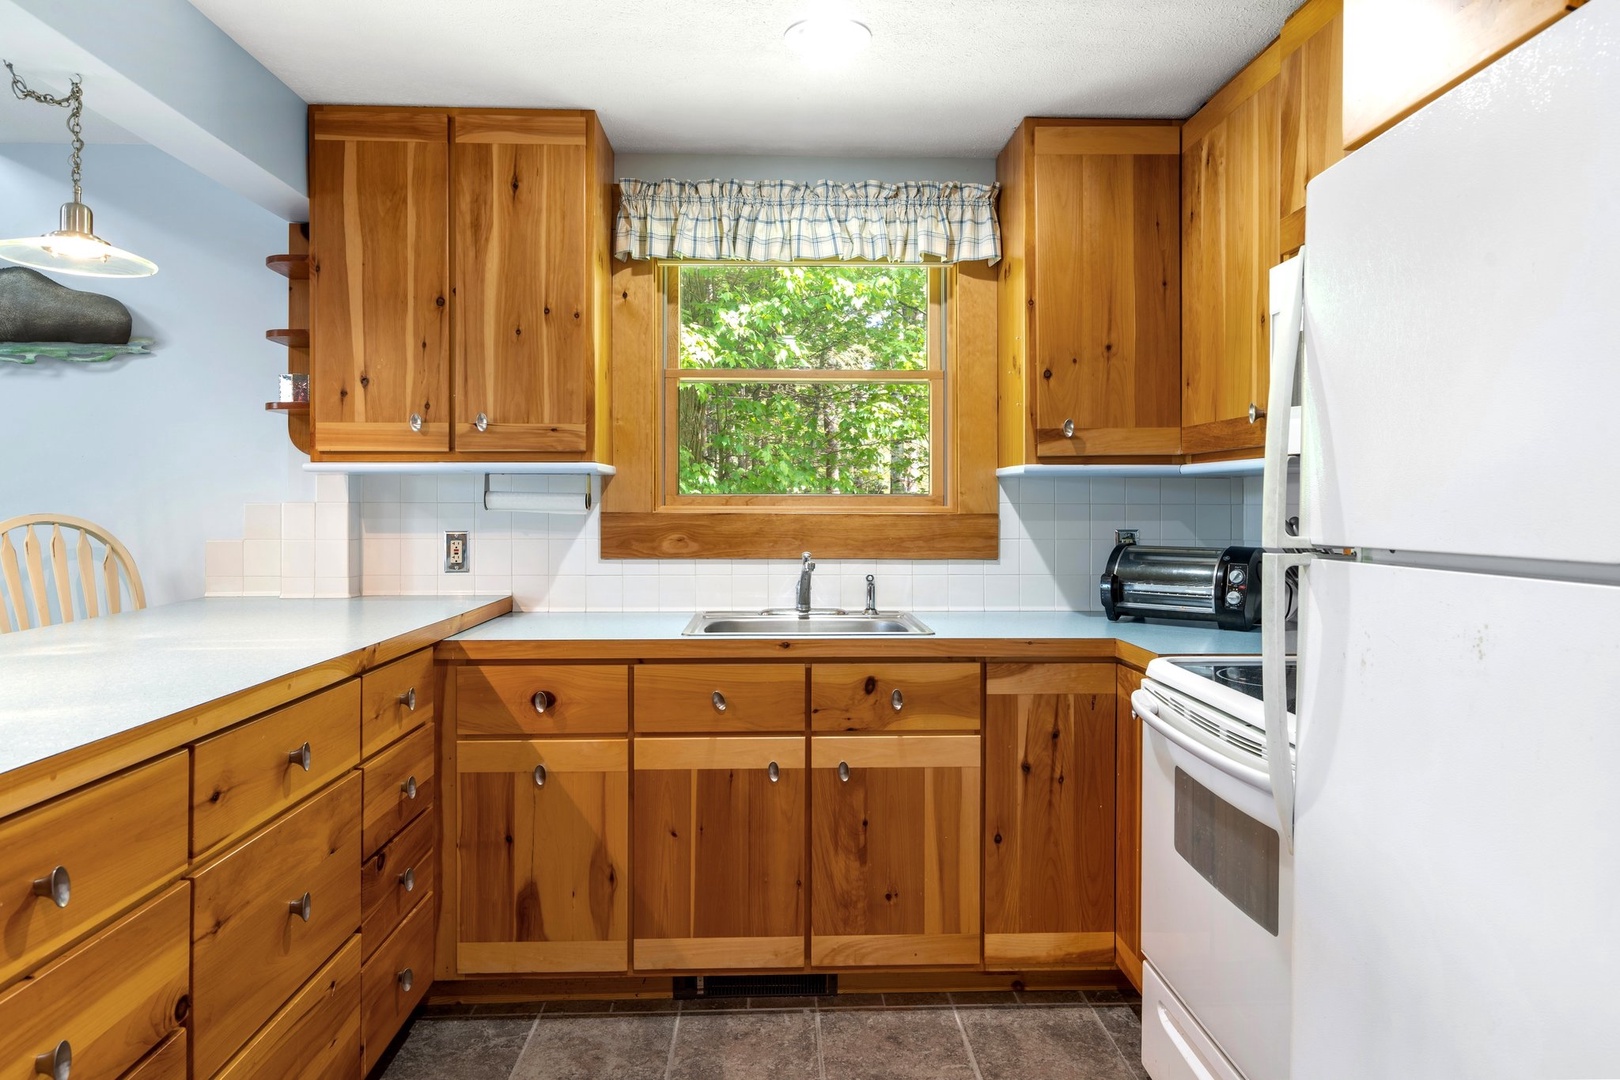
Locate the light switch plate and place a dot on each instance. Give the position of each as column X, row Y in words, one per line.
column 455, row 553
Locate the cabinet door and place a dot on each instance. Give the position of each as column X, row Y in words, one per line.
column 379, row 272
column 541, row 844
column 1049, row 815
column 523, row 324
column 720, row 869
column 1311, row 103
column 1229, row 203
column 1106, row 350
column 894, row 848
column 1127, row 827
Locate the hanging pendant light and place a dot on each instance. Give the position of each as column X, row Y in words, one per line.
column 74, row 248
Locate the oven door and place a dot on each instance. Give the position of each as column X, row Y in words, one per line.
column 1217, row 898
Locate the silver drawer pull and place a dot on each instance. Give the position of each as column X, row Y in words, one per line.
column 408, row 699
column 58, row 1064
column 481, row 422
column 409, row 787
column 898, row 700
column 416, row 421
column 407, row 880
column 1256, row 413
column 56, row 887
column 301, row 907
column 543, row 700
column 1068, row 429
column 539, row 776
column 300, row 757
column 407, row 979
column 843, row 771
column 773, row 772
column 718, row 700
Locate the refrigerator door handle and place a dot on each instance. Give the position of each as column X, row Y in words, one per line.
column 1274, row 678
column 1287, row 322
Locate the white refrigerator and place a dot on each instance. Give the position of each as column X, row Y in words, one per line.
column 1456, row 812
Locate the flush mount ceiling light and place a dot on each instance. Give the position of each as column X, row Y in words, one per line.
column 74, row 248
column 827, row 41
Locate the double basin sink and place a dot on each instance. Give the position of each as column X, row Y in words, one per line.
column 815, row 623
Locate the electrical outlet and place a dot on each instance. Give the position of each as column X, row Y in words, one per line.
column 455, row 553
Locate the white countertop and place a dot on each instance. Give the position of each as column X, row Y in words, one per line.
column 66, row 686
column 1160, row 638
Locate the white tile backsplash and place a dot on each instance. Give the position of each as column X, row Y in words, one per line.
column 1055, row 535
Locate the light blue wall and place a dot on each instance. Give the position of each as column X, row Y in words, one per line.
column 753, row 167
column 163, row 449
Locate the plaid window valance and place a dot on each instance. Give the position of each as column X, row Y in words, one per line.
column 783, row 220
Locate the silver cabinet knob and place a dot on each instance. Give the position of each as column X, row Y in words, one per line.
column 543, row 700
column 843, row 771
column 55, row 886
column 539, row 776
column 1255, row 412
column 718, row 700
column 407, row 979
column 897, row 700
column 416, row 421
column 300, row 757
column 773, row 771
column 301, row 907
column 481, row 422
column 57, row 1063
column 1068, row 429
column 408, row 699
column 408, row 788
column 407, row 880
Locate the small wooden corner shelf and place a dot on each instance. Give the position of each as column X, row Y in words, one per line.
column 287, row 406
column 295, row 267
column 293, row 339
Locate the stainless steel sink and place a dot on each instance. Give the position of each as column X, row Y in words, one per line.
column 818, row 623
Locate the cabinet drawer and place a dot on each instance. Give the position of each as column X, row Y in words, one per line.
column 894, row 697
column 111, row 1000
column 250, row 949
column 399, row 784
column 247, row 775
column 719, row 697
column 316, row 1035
column 395, row 980
column 167, row 1062
column 394, row 879
column 395, row 698
column 115, row 841
column 542, row 699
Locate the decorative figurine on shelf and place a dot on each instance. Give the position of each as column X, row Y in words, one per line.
column 39, row 317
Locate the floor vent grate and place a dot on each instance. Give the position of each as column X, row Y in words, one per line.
column 696, row 987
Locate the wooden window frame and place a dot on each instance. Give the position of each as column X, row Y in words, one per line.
column 933, row 375
column 638, row 522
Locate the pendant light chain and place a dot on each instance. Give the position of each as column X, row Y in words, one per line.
column 74, row 100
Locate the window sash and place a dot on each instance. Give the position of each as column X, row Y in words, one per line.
column 939, row 479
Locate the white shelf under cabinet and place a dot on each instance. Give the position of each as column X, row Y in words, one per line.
column 487, row 468
column 1245, row 467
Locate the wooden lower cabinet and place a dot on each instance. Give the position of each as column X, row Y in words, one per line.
column 395, row 979
column 106, row 1004
column 1049, row 815
column 541, row 851
column 720, row 853
column 1127, row 828
column 316, row 1035
column 894, row 849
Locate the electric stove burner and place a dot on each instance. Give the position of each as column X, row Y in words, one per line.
column 1242, row 676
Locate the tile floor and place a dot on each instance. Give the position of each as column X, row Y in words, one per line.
column 1066, row 1035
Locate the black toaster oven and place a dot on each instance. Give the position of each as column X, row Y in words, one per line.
column 1219, row 585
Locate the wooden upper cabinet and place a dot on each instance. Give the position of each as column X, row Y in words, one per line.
column 1247, row 156
column 379, row 280
column 530, row 234
column 1401, row 54
column 1090, row 335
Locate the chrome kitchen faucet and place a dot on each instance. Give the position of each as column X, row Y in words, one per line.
column 806, row 569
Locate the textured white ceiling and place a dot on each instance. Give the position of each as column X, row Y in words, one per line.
column 942, row 78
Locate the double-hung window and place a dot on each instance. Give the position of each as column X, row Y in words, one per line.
column 813, row 385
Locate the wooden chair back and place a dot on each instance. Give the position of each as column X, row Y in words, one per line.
column 59, row 578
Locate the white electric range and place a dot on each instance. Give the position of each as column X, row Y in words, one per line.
column 1217, row 875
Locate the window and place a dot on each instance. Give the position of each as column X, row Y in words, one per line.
column 804, row 385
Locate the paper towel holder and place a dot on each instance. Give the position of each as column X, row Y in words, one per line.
column 538, row 502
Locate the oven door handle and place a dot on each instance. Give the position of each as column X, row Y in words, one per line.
column 1142, row 704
